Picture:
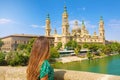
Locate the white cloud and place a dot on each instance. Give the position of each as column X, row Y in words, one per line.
column 37, row 26
column 87, row 23
column 5, row 21
column 114, row 23
column 34, row 26
column 112, row 29
column 72, row 22
column 42, row 26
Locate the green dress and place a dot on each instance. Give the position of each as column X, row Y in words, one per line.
column 46, row 69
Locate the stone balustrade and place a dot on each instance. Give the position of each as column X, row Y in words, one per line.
column 19, row 73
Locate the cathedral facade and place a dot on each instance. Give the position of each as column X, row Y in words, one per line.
column 79, row 33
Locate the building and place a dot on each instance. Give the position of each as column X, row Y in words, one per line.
column 11, row 42
column 78, row 33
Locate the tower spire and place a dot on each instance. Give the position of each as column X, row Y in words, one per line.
column 55, row 31
column 48, row 28
column 65, row 26
column 83, row 23
column 101, row 30
column 48, row 17
column 65, row 9
column 101, row 19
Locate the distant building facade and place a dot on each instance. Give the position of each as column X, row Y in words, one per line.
column 78, row 33
column 11, row 42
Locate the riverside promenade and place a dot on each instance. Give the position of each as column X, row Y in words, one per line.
column 19, row 73
column 70, row 59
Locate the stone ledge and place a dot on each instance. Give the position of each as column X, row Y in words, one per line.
column 19, row 73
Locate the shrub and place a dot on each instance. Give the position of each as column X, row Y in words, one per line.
column 59, row 45
column 102, row 54
column 90, row 55
column 17, row 58
column 2, row 58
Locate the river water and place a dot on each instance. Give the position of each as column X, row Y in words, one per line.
column 106, row 65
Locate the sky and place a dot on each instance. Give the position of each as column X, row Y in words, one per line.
column 28, row 16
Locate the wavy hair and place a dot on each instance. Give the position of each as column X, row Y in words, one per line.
column 39, row 52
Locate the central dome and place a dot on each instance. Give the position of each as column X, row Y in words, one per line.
column 76, row 26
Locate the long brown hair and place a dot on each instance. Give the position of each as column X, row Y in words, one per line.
column 39, row 52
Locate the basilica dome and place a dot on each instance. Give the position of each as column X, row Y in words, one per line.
column 76, row 26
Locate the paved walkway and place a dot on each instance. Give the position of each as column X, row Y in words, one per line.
column 70, row 59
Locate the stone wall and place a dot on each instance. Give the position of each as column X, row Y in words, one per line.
column 19, row 73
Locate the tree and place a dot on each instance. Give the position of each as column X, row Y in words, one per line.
column 76, row 51
column 17, row 58
column 2, row 58
column 119, row 49
column 89, row 55
column 74, row 44
column 107, row 50
column 29, row 45
column 21, row 47
column 54, row 53
column 59, row 45
column 1, row 43
column 85, row 45
column 115, row 47
column 93, row 47
column 71, row 45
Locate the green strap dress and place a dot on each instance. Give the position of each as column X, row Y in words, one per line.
column 46, row 69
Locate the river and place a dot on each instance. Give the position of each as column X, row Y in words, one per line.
column 106, row 65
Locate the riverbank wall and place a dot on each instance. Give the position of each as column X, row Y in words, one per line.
column 19, row 73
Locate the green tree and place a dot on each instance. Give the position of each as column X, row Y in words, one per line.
column 1, row 43
column 71, row 45
column 119, row 48
column 17, row 58
column 21, row 46
column 89, row 55
column 59, row 45
column 115, row 47
column 54, row 53
column 29, row 45
column 9, row 56
column 2, row 58
column 76, row 51
column 79, row 47
column 93, row 47
column 107, row 49
column 85, row 45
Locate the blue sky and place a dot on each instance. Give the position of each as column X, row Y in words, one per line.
column 28, row 16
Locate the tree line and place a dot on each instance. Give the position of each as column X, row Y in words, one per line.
column 22, row 53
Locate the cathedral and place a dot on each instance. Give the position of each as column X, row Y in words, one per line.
column 78, row 33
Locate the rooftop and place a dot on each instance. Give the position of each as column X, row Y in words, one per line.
column 24, row 35
column 21, row 35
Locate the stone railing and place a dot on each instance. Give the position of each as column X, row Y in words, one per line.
column 19, row 73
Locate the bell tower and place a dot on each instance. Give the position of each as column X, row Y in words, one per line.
column 47, row 29
column 65, row 27
column 101, row 30
column 83, row 28
column 65, row 24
